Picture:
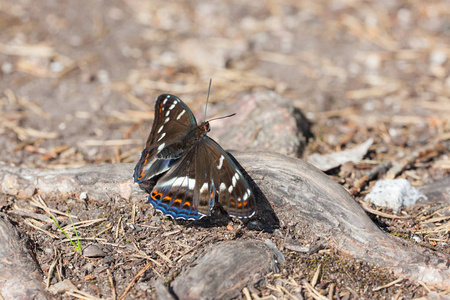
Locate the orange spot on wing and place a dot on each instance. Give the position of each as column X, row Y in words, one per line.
column 145, row 162
column 156, row 195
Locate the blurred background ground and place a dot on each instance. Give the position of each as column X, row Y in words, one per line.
column 78, row 81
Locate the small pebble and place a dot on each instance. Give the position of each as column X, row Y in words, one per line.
column 62, row 286
column 93, row 251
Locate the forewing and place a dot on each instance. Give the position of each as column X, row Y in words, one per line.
column 173, row 119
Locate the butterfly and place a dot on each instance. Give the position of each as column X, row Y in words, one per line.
column 193, row 172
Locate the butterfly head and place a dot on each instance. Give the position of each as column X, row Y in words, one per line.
column 204, row 127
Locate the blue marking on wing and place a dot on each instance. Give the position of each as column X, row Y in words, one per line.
column 175, row 212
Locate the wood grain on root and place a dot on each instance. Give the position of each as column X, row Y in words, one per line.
column 20, row 276
column 299, row 193
column 303, row 194
column 222, row 270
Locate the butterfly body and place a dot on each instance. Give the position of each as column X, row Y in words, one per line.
column 196, row 173
column 193, row 136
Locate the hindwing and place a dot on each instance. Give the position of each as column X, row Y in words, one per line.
column 204, row 176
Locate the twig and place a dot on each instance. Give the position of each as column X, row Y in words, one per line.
column 436, row 146
column 379, row 213
column 134, row 279
column 371, row 175
column 113, row 288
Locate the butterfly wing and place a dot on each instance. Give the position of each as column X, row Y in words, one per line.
column 173, row 119
column 232, row 190
column 205, row 175
column 173, row 194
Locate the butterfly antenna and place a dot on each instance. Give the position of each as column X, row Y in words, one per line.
column 218, row 118
column 207, row 98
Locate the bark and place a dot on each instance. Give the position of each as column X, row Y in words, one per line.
column 298, row 192
column 20, row 275
column 223, row 270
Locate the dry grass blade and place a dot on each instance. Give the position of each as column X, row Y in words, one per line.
column 443, row 228
column 171, row 232
column 118, row 228
column 82, row 224
column 111, row 282
column 164, row 257
column 86, row 239
column 82, row 295
column 424, row 286
column 388, row 285
column 313, row 292
column 27, row 133
column 315, row 278
column 246, row 293
column 142, row 255
column 442, row 164
column 29, row 223
column 285, row 291
column 110, row 142
column 436, row 219
column 331, row 290
column 27, row 50
column 52, row 267
column 39, row 202
column 422, row 219
column 108, row 227
column 28, row 214
column 178, row 258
